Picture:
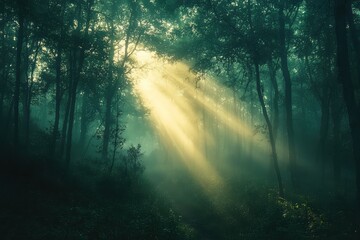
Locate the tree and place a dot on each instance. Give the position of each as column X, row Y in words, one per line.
column 344, row 77
column 59, row 35
column 283, row 53
column 232, row 37
column 8, row 60
column 117, row 69
column 77, row 57
column 21, row 7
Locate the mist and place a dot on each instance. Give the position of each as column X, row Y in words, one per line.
column 179, row 119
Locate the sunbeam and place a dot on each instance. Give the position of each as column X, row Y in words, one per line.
column 176, row 120
column 196, row 120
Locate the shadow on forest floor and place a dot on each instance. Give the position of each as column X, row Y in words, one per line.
column 40, row 203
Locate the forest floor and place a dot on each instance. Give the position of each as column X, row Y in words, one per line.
column 39, row 203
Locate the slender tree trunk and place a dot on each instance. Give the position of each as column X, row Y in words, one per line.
column 65, row 125
column 4, row 85
column 288, row 94
column 2, row 97
column 20, row 37
column 275, row 103
column 109, row 94
column 25, row 83
column 252, row 117
column 112, row 86
column 58, row 90
column 3, row 80
column 324, row 130
column 107, row 125
column 270, row 130
column 344, row 77
column 84, row 122
column 8, row 119
column 354, row 36
column 55, row 132
column 71, row 121
column 116, row 137
column 28, row 95
column 78, row 60
column 336, row 116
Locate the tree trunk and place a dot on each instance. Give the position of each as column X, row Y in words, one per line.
column 84, row 122
column 24, row 83
column 55, row 129
column 109, row 94
column 4, row 75
column 324, row 130
column 77, row 64
column 270, row 130
column 336, row 115
column 71, row 117
column 252, row 113
column 354, row 36
column 28, row 95
column 275, row 104
column 78, row 59
column 65, row 125
column 19, row 45
column 288, row 94
column 107, row 125
column 116, row 137
column 58, row 91
column 344, row 77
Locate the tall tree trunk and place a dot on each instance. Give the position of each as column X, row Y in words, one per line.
column 84, row 122
column 354, row 36
column 3, row 67
column 78, row 59
column 65, row 125
column 113, row 86
column 270, row 130
column 324, row 130
column 25, row 82
column 77, row 64
column 19, row 45
column 58, row 90
column 336, row 115
column 275, row 103
column 109, row 92
column 252, row 117
column 69, row 136
column 288, row 93
column 344, row 77
column 28, row 95
column 55, row 130
column 117, row 140
column 107, row 125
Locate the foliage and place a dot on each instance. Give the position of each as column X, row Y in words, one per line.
column 73, row 208
column 131, row 167
column 66, row 88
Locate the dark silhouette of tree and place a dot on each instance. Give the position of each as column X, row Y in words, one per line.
column 344, row 77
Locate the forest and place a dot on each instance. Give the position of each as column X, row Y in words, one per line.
column 179, row 119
